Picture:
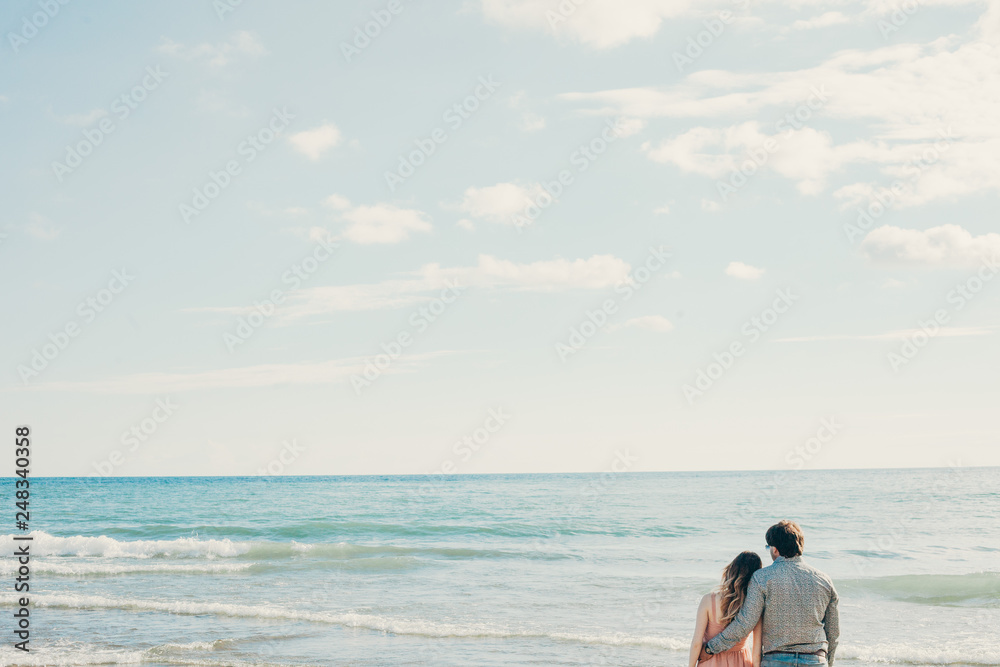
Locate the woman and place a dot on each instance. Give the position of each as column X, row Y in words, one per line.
column 719, row 607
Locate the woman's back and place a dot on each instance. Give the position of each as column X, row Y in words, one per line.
column 740, row 655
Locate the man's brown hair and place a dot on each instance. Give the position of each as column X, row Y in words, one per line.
column 787, row 538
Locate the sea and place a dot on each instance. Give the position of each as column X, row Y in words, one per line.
column 549, row 569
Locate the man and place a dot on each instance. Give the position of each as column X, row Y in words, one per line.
column 797, row 601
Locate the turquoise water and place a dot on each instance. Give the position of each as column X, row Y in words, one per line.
column 491, row 570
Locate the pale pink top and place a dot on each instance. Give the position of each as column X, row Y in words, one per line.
column 740, row 655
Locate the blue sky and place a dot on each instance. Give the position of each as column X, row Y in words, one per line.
column 713, row 235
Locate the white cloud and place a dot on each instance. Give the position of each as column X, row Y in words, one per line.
column 82, row 119
column 215, row 55
column 656, row 323
column 500, row 202
column 317, row 233
column 855, row 194
column 897, row 334
column 626, row 127
column 822, row 21
column 597, row 23
column 41, row 228
column 805, row 155
column 387, row 294
column 743, row 271
column 263, row 375
column 466, row 224
column 529, row 121
column 904, row 97
column 313, row 233
column 313, row 143
column 597, row 272
column 687, row 150
column 892, row 283
column 378, row 223
column 337, row 202
column 662, row 210
column 989, row 23
column 710, row 206
column 383, row 223
column 944, row 246
column 557, row 275
column 606, row 24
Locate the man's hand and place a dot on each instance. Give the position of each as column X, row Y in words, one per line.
column 705, row 655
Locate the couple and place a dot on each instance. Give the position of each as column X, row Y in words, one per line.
column 783, row 615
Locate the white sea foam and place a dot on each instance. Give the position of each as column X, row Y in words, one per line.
column 66, row 653
column 980, row 653
column 44, row 544
column 81, row 654
column 398, row 626
column 188, row 646
column 85, row 568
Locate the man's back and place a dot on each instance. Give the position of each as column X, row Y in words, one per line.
column 797, row 597
column 799, row 608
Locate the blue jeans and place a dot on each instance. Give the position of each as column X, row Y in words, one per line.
column 792, row 660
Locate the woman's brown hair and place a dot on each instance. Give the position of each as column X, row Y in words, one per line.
column 735, row 581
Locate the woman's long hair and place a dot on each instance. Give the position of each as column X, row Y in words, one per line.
column 735, row 581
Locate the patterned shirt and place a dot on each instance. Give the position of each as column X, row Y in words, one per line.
column 799, row 605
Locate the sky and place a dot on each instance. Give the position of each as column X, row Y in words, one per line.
column 497, row 236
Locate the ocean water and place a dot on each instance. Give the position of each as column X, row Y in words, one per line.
column 603, row 569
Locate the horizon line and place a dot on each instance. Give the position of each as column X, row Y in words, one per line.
column 494, row 474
